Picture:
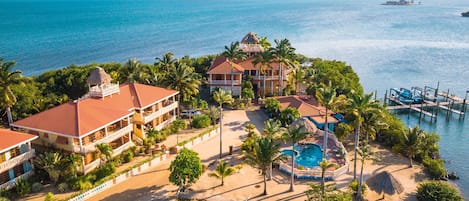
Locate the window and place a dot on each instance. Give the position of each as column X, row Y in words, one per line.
column 61, row 140
column 4, row 177
column 139, row 126
column 14, row 152
column 45, row 135
column 2, row 157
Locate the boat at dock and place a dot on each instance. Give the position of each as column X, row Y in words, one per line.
column 465, row 14
column 407, row 96
column 400, row 3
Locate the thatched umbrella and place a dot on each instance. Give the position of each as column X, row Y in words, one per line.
column 385, row 183
column 250, row 38
column 98, row 76
column 309, row 126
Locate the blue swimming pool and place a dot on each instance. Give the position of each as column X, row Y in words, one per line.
column 307, row 155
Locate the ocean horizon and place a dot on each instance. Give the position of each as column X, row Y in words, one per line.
column 388, row 46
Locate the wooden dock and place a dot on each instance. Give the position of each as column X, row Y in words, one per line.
column 415, row 107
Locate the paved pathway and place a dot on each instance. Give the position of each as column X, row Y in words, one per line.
column 150, row 184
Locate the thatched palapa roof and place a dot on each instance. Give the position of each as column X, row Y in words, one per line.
column 308, row 126
column 385, row 182
column 98, row 76
column 250, row 38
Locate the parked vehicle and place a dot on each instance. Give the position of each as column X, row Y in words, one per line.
column 190, row 113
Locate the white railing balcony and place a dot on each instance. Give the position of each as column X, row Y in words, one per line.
column 161, row 111
column 122, row 148
column 165, row 123
column 17, row 160
column 267, row 77
column 111, row 137
column 104, row 90
column 93, row 165
column 228, row 82
column 12, row 182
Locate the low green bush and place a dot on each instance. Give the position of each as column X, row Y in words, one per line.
column 353, row 187
column 22, row 187
column 201, row 121
column 4, row 199
column 437, row 191
column 62, row 187
column 178, row 125
column 105, row 170
column 435, row 167
column 127, row 156
column 36, row 187
column 50, row 197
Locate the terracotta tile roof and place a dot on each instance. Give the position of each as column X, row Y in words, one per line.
column 10, row 139
column 220, row 66
column 304, row 105
column 79, row 118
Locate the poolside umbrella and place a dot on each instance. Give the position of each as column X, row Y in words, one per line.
column 385, row 182
column 309, row 126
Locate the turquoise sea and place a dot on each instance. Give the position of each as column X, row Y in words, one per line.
column 388, row 46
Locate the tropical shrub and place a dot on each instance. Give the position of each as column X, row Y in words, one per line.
column 127, row 156
column 4, row 199
column 435, row 167
column 36, row 187
column 437, row 191
column 62, row 187
column 288, row 115
column 50, row 197
column 178, row 125
column 272, row 106
column 83, row 182
column 22, row 187
column 201, row 121
column 105, row 170
column 353, row 187
column 185, row 169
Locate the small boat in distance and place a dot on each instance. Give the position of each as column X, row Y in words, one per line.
column 400, row 3
column 465, row 14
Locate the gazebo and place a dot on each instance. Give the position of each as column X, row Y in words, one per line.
column 98, row 76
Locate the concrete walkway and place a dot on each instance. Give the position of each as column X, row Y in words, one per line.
column 153, row 184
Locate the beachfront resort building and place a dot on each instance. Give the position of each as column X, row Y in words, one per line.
column 16, row 157
column 109, row 113
column 227, row 75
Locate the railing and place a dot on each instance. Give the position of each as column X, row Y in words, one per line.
column 236, row 82
column 267, row 77
column 104, row 90
column 12, row 182
column 16, row 160
column 161, row 111
column 92, row 165
column 165, row 123
column 122, row 148
column 109, row 138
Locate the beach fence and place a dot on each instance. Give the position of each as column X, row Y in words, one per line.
column 137, row 170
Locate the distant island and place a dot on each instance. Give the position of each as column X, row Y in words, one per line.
column 400, row 3
column 465, row 14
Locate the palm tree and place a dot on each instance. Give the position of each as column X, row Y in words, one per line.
column 272, row 127
column 51, row 163
column 293, row 135
column 283, row 53
column 265, row 152
column 183, row 79
column 360, row 105
column 326, row 96
column 8, row 78
column 105, row 151
column 213, row 113
column 411, row 141
column 166, row 62
column 131, row 70
column 233, row 53
column 221, row 171
column 298, row 76
column 221, row 97
column 324, row 165
column 265, row 59
column 365, row 154
column 372, row 124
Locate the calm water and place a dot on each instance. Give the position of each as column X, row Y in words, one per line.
column 388, row 46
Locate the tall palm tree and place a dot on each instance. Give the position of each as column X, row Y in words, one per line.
column 8, row 78
column 298, row 76
column 324, row 165
column 411, row 141
column 265, row 152
column 131, row 70
column 327, row 97
column 221, row 171
column 283, row 53
column 233, row 53
column 372, row 123
column 74, row 163
column 166, row 62
column 271, row 129
column 221, row 97
column 365, row 154
column 213, row 113
column 105, row 151
column 264, row 59
column 183, row 79
column 51, row 163
column 359, row 105
column 293, row 135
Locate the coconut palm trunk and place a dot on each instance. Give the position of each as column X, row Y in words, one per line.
column 357, row 135
column 265, row 184
column 326, row 127
column 360, row 183
column 9, row 116
column 221, row 131
column 280, row 79
column 292, row 175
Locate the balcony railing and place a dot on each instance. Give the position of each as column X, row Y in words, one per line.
column 104, row 90
column 236, row 82
column 111, row 137
column 122, row 148
column 16, row 160
column 161, row 111
column 12, row 182
column 92, row 165
column 165, row 123
column 267, row 77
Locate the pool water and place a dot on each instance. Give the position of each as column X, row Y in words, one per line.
column 307, row 155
